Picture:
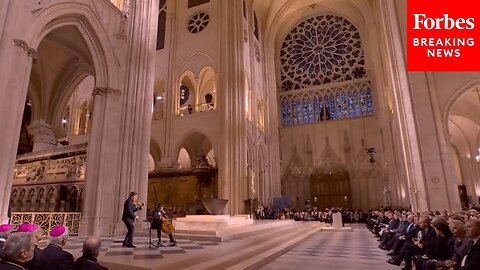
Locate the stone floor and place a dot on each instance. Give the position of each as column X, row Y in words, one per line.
column 341, row 250
column 112, row 246
column 355, row 250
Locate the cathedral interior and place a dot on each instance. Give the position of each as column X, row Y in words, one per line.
column 283, row 103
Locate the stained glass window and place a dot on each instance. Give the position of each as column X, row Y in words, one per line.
column 306, row 113
column 311, row 113
column 323, row 53
column 333, row 114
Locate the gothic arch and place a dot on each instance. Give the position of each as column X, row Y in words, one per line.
column 72, row 200
column 207, row 85
column 30, row 198
column 13, row 199
column 454, row 97
column 195, row 143
column 51, row 199
column 262, row 185
column 155, row 151
column 195, row 62
column 21, row 201
column 84, row 19
column 185, row 95
column 40, row 200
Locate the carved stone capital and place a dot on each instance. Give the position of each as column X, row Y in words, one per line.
column 103, row 91
column 31, row 52
column 43, row 135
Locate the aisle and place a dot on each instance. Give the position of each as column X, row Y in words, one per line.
column 356, row 250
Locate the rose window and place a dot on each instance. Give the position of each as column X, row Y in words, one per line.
column 321, row 50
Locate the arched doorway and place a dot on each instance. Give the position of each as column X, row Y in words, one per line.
column 330, row 190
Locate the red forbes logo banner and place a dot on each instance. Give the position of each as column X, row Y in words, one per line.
column 443, row 35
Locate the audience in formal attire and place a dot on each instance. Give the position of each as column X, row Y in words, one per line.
column 421, row 244
column 442, row 248
column 449, row 243
column 91, row 250
column 460, row 247
column 53, row 257
column 5, row 231
column 471, row 261
column 36, row 232
column 17, row 251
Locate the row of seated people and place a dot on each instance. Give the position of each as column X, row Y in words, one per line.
column 312, row 214
column 19, row 250
column 429, row 241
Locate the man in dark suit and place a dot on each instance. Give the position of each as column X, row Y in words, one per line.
column 471, row 261
column 18, row 250
column 129, row 217
column 53, row 257
column 5, row 231
column 419, row 245
column 91, row 250
column 409, row 233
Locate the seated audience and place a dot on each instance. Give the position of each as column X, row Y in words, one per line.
column 471, row 261
column 36, row 232
column 461, row 246
column 442, row 248
column 17, row 251
column 91, row 250
column 419, row 245
column 53, row 257
column 5, row 231
column 410, row 232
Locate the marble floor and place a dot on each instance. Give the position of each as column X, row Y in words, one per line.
column 345, row 250
column 341, row 250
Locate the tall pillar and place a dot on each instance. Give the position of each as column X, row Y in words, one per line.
column 102, row 170
column 271, row 126
column 232, row 179
column 137, row 100
column 167, row 159
column 407, row 134
column 15, row 65
column 43, row 136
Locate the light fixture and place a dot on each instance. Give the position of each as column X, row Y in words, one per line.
column 64, row 121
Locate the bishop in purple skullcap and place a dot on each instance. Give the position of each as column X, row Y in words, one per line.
column 59, row 231
column 25, row 227
column 6, row 228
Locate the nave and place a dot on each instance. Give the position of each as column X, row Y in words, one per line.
column 295, row 246
column 341, row 250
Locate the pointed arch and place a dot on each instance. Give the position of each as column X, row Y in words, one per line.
column 90, row 27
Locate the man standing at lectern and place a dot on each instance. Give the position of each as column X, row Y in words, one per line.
column 130, row 206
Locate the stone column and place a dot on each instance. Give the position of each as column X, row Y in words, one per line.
column 407, row 132
column 232, row 175
column 167, row 160
column 15, row 65
column 43, row 136
column 137, row 100
column 102, row 169
column 271, row 127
